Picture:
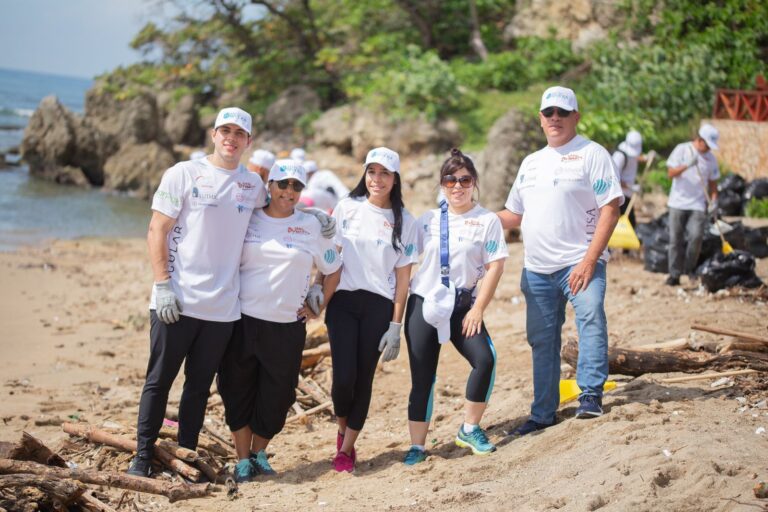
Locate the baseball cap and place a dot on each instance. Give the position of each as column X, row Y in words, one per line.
column 298, row 154
column 234, row 115
column 438, row 308
column 310, row 166
column 384, row 156
column 559, row 97
column 633, row 144
column 262, row 158
column 288, row 169
column 710, row 135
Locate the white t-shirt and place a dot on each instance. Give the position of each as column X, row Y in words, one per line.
column 277, row 263
column 559, row 192
column 687, row 191
column 325, row 189
column 475, row 238
column 364, row 233
column 212, row 207
column 627, row 169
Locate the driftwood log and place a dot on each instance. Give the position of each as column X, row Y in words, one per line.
column 312, row 356
column 728, row 332
column 172, row 490
column 62, row 492
column 634, row 362
column 30, row 448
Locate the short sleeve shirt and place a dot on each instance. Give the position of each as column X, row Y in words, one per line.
column 688, row 188
column 212, row 207
column 559, row 192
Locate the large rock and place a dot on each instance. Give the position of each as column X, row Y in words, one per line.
column 133, row 120
column 137, row 168
column 181, row 122
column 511, row 138
column 289, row 107
column 334, row 128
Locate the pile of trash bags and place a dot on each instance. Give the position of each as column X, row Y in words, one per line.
column 728, row 270
column 734, row 192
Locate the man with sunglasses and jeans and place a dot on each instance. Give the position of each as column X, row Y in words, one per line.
column 566, row 199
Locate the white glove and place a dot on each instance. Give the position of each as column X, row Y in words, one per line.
column 651, row 155
column 390, row 342
column 693, row 158
column 327, row 223
column 167, row 303
column 315, row 298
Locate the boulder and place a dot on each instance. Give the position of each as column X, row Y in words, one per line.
column 289, row 107
column 511, row 138
column 136, row 119
column 181, row 122
column 334, row 128
column 137, row 168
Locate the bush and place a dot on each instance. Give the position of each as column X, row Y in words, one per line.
column 656, row 179
column 757, row 208
column 609, row 128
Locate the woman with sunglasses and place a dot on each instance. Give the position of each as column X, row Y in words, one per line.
column 475, row 250
column 377, row 239
column 259, row 374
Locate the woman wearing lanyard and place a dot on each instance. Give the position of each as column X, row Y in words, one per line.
column 377, row 239
column 259, row 374
column 462, row 242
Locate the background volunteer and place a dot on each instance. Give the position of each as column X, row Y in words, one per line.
column 261, row 162
column 477, row 250
column 626, row 158
column 378, row 244
column 260, row 370
column 200, row 214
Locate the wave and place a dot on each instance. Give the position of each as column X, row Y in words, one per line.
column 18, row 112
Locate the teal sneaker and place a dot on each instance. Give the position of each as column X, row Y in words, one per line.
column 244, row 471
column 476, row 440
column 261, row 464
column 414, row 456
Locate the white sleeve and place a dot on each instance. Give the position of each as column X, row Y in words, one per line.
column 261, row 195
column 327, row 258
column 422, row 228
column 514, row 201
column 169, row 196
column 602, row 176
column 677, row 157
column 620, row 161
column 338, row 214
column 494, row 246
column 409, row 237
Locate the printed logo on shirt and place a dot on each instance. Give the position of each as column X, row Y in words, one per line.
column 571, row 157
column 245, row 185
column 298, row 230
column 165, row 196
column 241, row 208
column 329, row 256
column 388, row 225
column 491, row 246
column 601, row 186
column 409, row 249
column 203, row 182
column 473, row 222
column 203, row 195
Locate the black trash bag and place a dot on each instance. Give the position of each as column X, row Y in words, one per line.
column 710, row 245
column 756, row 241
column 758, row 189
column 729, row 203
column 654, row 231
column 735, row 236
column 655, row 260
column 732, row 182
column 729, row 270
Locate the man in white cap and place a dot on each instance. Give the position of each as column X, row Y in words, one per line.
column 694, row 172
column 298, row 154
column 626, row 158
column 566, row 198
column 200, row 214
column 261, row 162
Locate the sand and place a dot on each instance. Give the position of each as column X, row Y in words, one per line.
column 74, row 344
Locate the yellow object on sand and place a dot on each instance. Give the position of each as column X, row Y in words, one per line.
column 569, row 390
column 624, row 236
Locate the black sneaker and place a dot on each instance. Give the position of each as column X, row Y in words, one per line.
column 672, row 281
column 590, row 406
column 140, row 466
column 528, row 427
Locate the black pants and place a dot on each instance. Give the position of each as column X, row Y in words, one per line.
column 200, row 345
column 356, row 322
column 424, row 352
column 259, row 374
column 623, row 208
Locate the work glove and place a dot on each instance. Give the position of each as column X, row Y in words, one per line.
column 167, row 303
column 327, row 223
column 651, row 155
column 389, row 345
column 315, row 298
column 693, row 157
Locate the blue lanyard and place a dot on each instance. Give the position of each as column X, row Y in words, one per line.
column 445, row 267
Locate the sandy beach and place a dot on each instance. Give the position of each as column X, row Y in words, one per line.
column 75, row 344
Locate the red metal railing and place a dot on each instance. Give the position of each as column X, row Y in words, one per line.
column 742, row 105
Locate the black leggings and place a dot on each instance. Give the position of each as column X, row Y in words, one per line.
column 424, row 352
column 356, row 322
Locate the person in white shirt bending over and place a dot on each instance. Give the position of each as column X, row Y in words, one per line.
column 474, row 249
column 260, row 370
column 378, row 244
column 566, row 199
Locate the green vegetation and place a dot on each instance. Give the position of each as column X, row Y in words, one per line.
column 757, row 208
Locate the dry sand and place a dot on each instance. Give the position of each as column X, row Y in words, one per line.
column 75, row 343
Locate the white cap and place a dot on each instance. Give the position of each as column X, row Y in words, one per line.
column 234, row 115
column 298, row 154
column 633, row 144
column 310, row 166
column 559, row 97
column 710, row 135
column 438, row 308
column 384, row 156
column 262, row 158
column 197, row 155
column 288, row 169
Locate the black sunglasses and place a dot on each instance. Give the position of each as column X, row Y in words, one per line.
column 449, row 181
column 550, row 111
column 283, row 184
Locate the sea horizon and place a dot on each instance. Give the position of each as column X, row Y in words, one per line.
column 47, row 74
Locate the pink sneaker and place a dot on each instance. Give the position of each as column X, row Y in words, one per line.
column 343, row 462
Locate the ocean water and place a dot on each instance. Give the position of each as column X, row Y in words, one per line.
column 33, row 210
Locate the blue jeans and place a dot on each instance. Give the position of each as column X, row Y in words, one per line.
column 546, row 296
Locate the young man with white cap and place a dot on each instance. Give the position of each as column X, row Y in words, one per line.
column 626, row 158
column 261, row 162
column 200, row 215
column 260, row 370
column 566, row 199
column 694, row 172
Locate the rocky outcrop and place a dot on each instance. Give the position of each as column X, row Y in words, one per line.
column 137, row 167
column 334, row 128
column 181, row 122
column 289, row 107
column 511, row 138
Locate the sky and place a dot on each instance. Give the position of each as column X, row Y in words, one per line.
column 81, row 38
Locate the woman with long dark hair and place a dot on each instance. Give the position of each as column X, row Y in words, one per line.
column 462, row 243
column 377, row 240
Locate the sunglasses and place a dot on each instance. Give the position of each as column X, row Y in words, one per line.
column 550, row 111
column 283, row 184
column 449, row 181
